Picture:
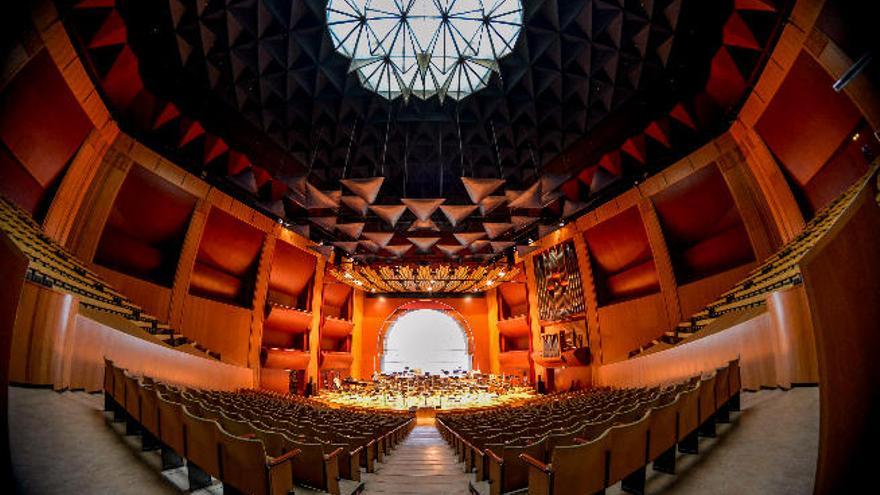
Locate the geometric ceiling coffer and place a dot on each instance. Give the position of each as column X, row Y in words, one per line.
column 422, row 208
column 424, row 47
column 368, row 189
column 478, row 189
column 457, row 213
column 389, row 213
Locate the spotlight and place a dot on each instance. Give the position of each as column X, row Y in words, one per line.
column 562, row 223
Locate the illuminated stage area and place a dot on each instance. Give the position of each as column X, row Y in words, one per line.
column 403, row 392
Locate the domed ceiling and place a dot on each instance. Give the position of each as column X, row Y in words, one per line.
column 457, row 140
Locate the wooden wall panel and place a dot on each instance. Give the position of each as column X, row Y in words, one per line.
column 748, row 341
column 155, row 299
column 694, row 296
column 790, row 314
column 41, row 323
column 627, row 325
column 13, row 265
column 842, row 280
column 219, row 327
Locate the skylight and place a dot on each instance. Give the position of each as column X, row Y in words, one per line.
column 424, row 47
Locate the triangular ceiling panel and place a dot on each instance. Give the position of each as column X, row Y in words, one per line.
column 368, row 189
column 327, row 223
column 399, row 250
column 478, row 189
column 370, row 246
column 422, row 208
column 317, row 199
column 352, row 230
column 423, row 243
column 356, row 203
column 450, row 250
column 380, row 238
column 500, row 246
column 521, row 222
column 457, row 213
column 423, row 225
column 466, row 238
column 389, row 213
column 494, row 230
column 529, row 199
column 348, row 247
column 572, row 207
column 478, row 246
column 491, row 203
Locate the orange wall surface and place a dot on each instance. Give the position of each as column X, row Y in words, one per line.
column 378, row 309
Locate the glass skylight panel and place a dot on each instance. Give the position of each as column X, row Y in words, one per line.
column 424, row 47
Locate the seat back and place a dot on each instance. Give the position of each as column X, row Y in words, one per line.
column 171, row 430
column 201, row 441
column 308, row 468
column 244, row 463
column 663, row 428
column 722, row 386
column 628, row 448
column 688, row 411
column 132, row 397
column 149, row 409
column 579, row 469
column 707, row 397
column 232, row 426
column 735, row 378
column 516, row 471
column 119, row 385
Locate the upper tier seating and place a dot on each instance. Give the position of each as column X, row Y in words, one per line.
column 779, row 271
column 583, row 442
column 50, row 265
column 253, row 441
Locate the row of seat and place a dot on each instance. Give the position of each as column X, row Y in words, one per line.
column 616, row 443
column 50, row 265
column 246, row 448
column 779, row 271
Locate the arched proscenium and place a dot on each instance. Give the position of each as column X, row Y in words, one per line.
column 407, row 308
column 424, row 47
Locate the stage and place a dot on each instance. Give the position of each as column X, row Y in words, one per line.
column 402, row 393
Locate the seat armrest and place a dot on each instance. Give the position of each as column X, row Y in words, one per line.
column 531, row 461
column 333, row 454
column 493, row 456
column 249, row 436
column 290, row 454
column 581, row 440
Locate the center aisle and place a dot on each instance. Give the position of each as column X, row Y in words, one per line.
column 423, row 463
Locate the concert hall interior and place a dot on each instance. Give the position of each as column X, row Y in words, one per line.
column 439, row 246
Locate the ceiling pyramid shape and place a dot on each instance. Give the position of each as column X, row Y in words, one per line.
column 501, row 246
column 356, row 203
column 572, row 207
column 422, row 208
column 423, row 243
column 478, row 246
column 399, row 250
column 456, row 213
column 494, row 230
column 327, row 223
column 478, row 189
column 370, row 246
column 317, row 199
column 389, row 213
column 521, row 222
column 352, row 230
column 424, row 225
column 380, row 238
column 491, row 203
column 348, row 247
column 450, row 250
column 466, row 238
column 368, row 189
column 529, row 199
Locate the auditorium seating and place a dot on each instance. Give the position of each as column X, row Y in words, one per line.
column 778, row 272
column 585, row 441
column 253, row 441
column 50, row 265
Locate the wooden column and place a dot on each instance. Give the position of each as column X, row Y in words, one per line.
column 662, row 261
column 787, row 216
column 72, row 192
column 357, row 334
column 731, row 165
column 494, row 335
column 534, row 316
column 85, row 232
column 258, row 309
column 315, row 328
column 591, row 301
column 188, row 253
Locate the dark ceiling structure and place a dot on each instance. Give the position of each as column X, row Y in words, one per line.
column 252, row 95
